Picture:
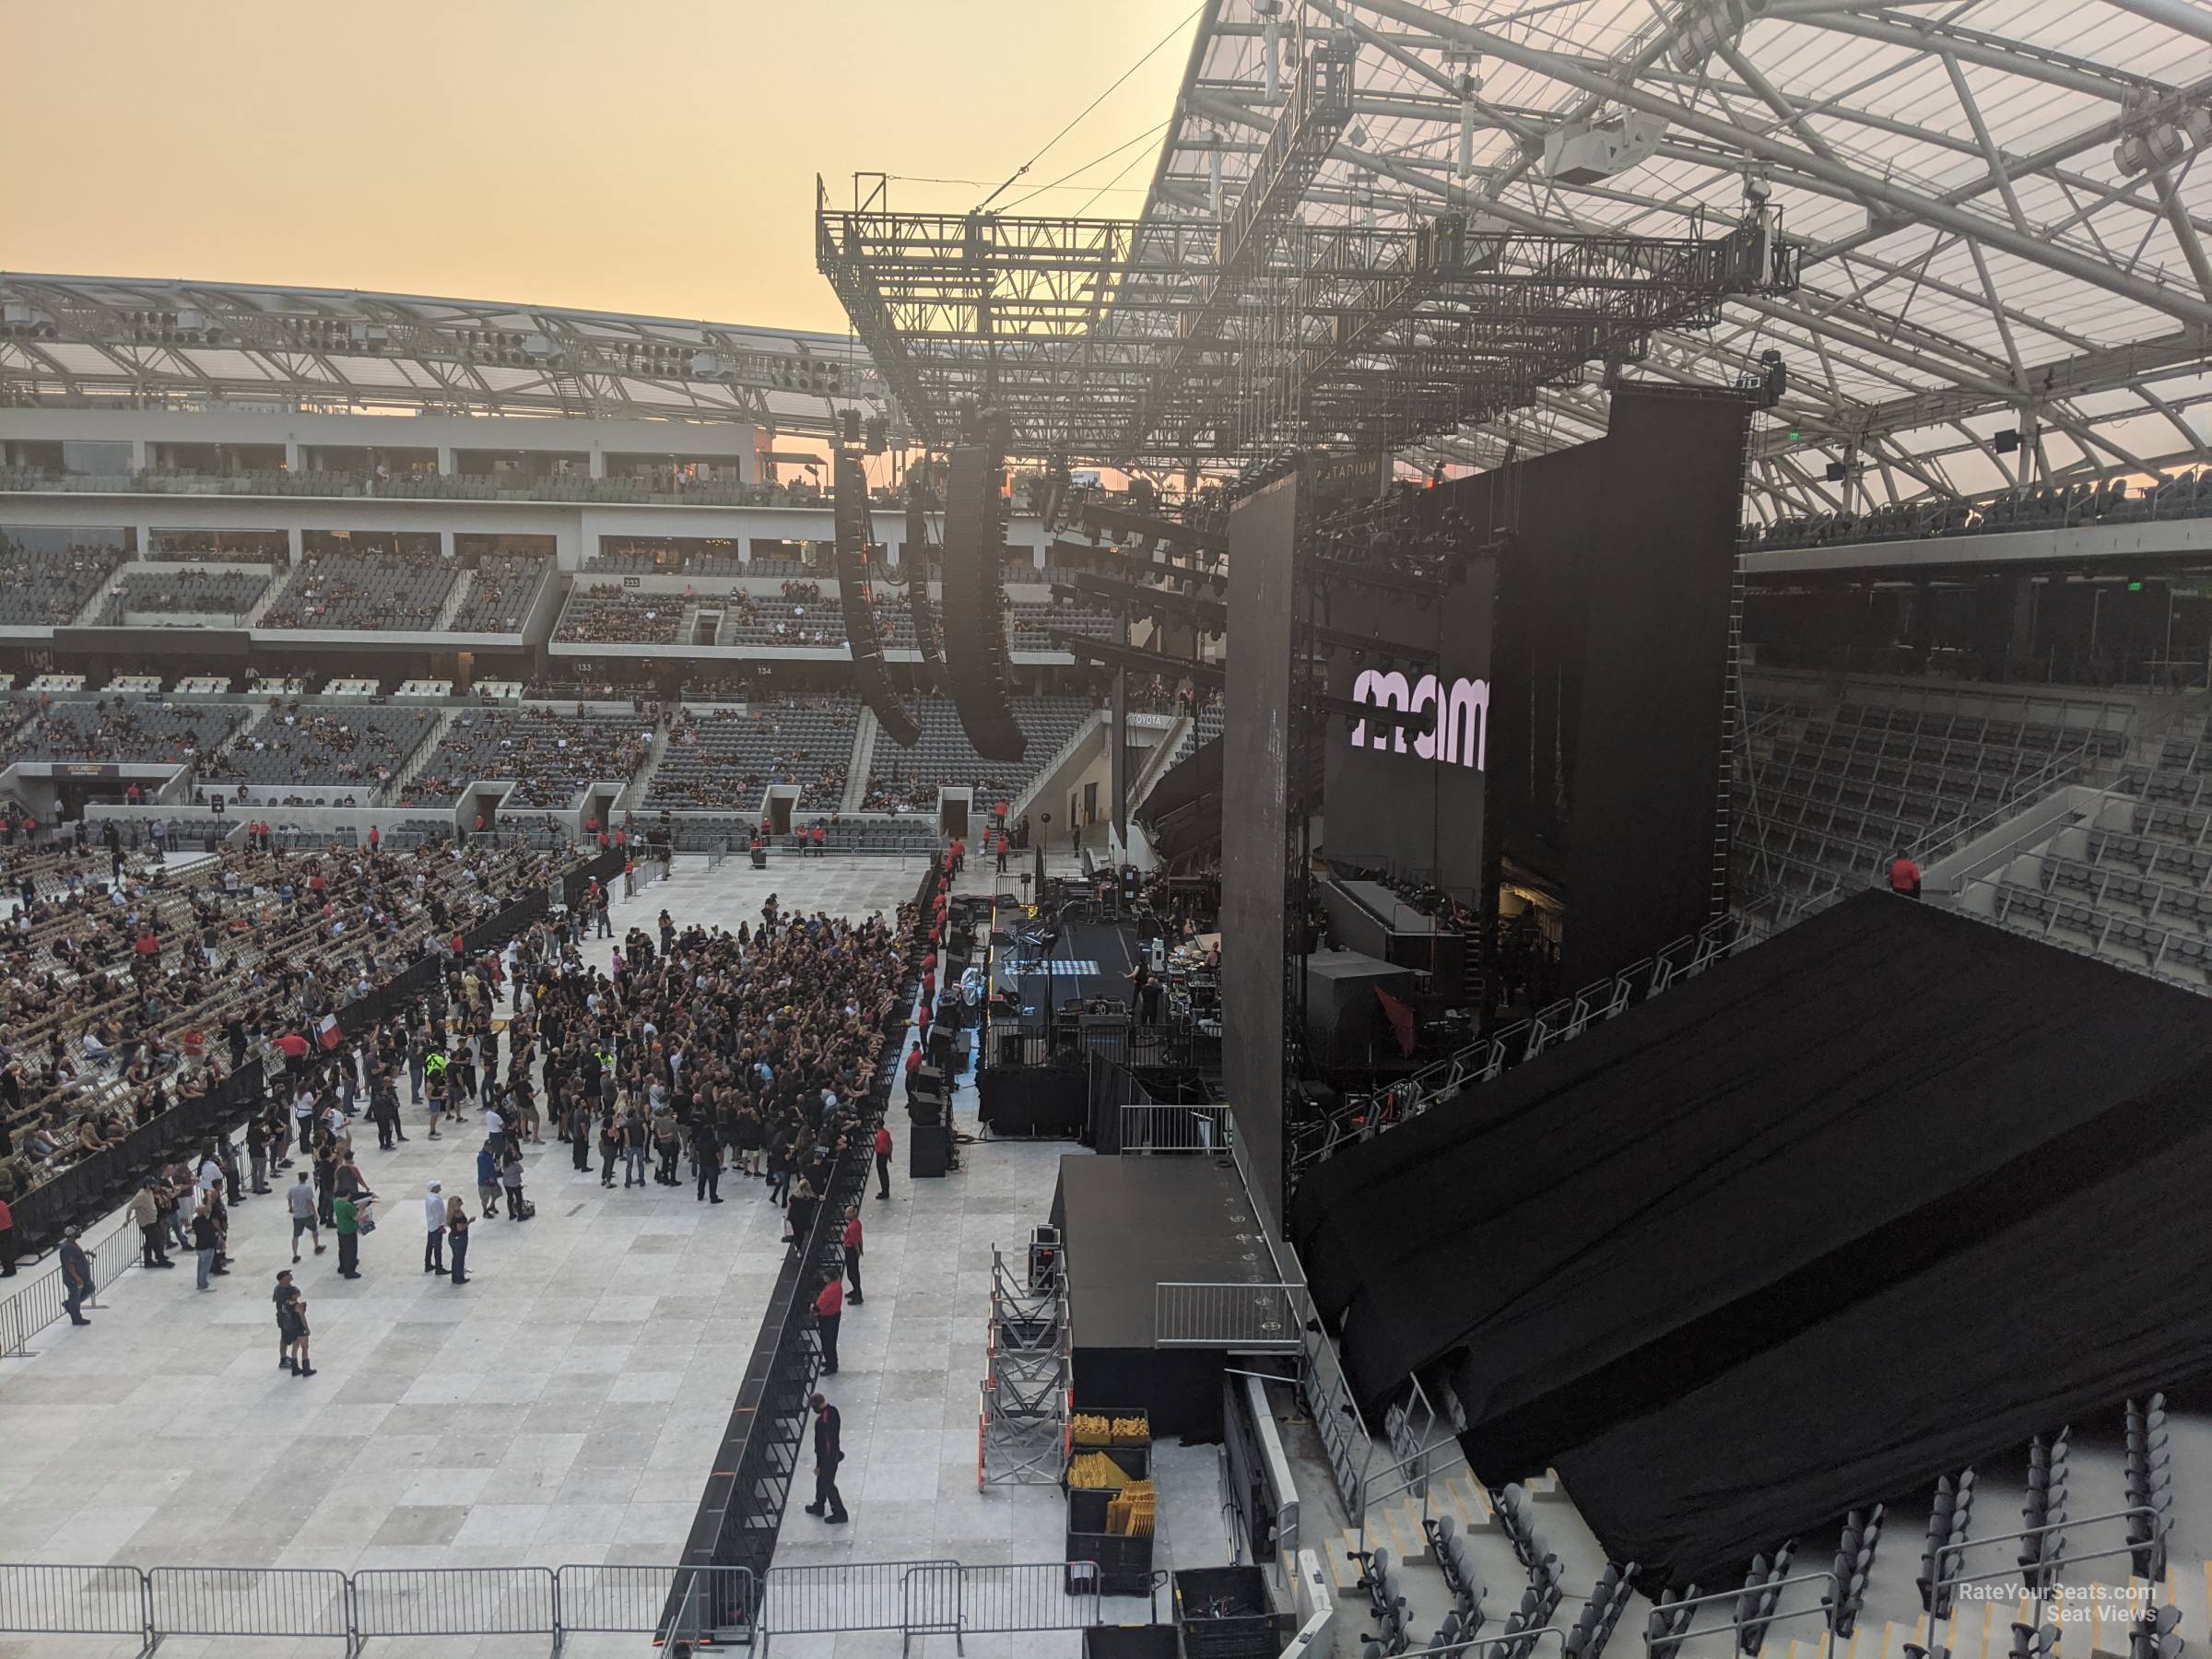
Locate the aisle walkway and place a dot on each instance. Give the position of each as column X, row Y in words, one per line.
column 907, row 1389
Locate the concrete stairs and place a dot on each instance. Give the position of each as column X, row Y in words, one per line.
column 453, row 602
column 278, row 581
column 421, row 759
column 864, row 733
column 633, row 797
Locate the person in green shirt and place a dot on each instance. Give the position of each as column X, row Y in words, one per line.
column 346, row 1218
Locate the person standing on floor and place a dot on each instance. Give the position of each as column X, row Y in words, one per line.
column 300, row 1197
column 853, row 1245
column 77, row 1276
column 829, row 1452
column 883, row 1160
column 145, row 1214
column 300, row 1335
column 456, row 1235
column 257, row 1151
column 706, row 1150
column 829, row 1313
column 510, row 1177
column 285, row 1296
column 487, row 1179
column 610, row 1147
column 207, row 1240
column 7, row 1241
column 433, row 1228
column 345, row 1220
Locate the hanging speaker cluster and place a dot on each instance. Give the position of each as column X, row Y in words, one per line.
column 917, row 563
column 869, row 674
column 975, row 625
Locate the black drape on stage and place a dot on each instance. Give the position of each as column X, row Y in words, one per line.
column 1709, row 1179
column 2094, row 1293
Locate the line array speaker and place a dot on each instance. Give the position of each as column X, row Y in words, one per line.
column 976, row 623
column 869, row 674
column 917, row 563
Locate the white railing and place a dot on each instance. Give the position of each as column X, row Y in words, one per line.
column 1222, row 1315
column 1151, row 1127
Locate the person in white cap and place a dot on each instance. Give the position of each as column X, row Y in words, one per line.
column 433, row 1224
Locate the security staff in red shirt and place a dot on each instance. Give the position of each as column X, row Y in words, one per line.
column 1904, row 876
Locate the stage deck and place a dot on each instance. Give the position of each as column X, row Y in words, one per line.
column 1092, row 958
column 1133, row 1223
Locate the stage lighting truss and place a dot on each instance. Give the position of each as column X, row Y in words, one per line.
column 1021, row 1428
column 1273, row 333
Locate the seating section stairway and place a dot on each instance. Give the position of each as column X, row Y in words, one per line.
column 1827, row 793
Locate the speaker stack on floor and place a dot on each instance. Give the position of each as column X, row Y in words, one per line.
column 976, row 623
column 869, row 674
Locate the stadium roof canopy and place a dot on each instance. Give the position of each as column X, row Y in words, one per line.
column 2001, row 205
column 77, row 341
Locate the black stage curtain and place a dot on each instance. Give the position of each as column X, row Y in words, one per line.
column 1707, row 1179
column 2094, row 1293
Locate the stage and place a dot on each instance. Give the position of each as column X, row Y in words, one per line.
column 1029, row 1086
column 1132, row 1223
column 1091, row 959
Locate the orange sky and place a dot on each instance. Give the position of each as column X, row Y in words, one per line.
column 655, row 157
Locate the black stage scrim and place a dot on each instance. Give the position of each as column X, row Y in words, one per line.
column 1624, row 1254
column 1648, row 786
column 1257, row 743
column 1413, row 799
column 1133, row 1224
column 1608, row 645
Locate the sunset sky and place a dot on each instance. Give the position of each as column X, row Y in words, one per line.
column 657, row 158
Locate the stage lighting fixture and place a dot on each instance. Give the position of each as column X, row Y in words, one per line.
column 974, row 563
column 865, row 650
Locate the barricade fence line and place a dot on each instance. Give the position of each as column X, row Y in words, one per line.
column 455, row 1601
column 40, row 1600
column 687, row 1602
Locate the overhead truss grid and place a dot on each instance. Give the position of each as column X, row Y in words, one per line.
column 1990, row 219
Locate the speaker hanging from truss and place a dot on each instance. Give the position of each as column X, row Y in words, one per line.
column 975, row 622
column 916, row 561
column 869, row 674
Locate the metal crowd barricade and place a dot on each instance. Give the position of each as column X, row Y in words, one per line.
column 36, row 1305
column 862, row 1595
column 455, row 1601
column 672, row 1604
column 41, row 1600
column 1027, row 1595
column 298, row 1602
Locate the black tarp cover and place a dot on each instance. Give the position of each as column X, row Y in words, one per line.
column 1790, row 1138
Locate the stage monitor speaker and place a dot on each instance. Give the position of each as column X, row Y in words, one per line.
column 975, row 625
column 928, row 1151
column 869, row 676
column 916, row 560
